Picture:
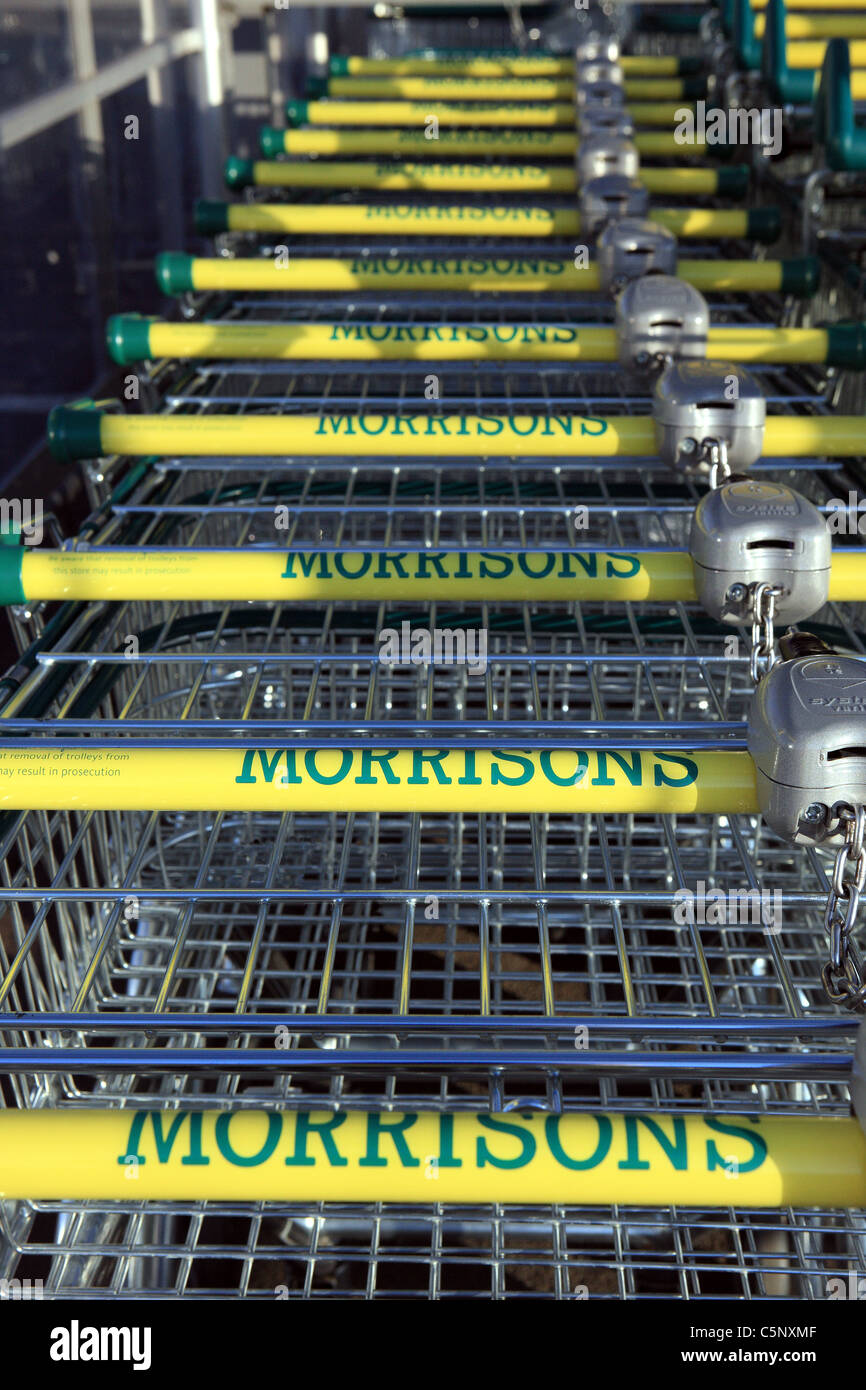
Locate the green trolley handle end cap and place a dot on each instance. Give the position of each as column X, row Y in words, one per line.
column 75, row 432
column 316, row 86
column 339, row 65
column 764, row 224
column 238, row 173
column 174, row 272
column 211, row 218
column 127, row 337
column 733, row 182
column 801, row 276
column 11, row 564
column 846, row 345
column 298, row 113
column 272, row 141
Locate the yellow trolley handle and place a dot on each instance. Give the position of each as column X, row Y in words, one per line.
column 301, row 575
column 391, row 219
column 637, row 65
column 442, row 88
column 499, row 113
column 568, row 780
column 133, row 338
column 465, row 144
column 76, row 432
column 731, row 182
column 179, row 273
column 245, row 1155
column 832, row 26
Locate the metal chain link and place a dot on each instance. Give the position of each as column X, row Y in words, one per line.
column 842, row 976
column 715, row 453
column 762, row 656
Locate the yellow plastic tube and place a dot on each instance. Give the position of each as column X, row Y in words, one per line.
column 409, row 113
column 94, row 434
column 502, row 274
column 810, row 54
column 446, row 88
column 809, row 5
column 300, row 576
column 305, row 576
column 596, row 1159
column 420, row 342
column 568, row 781
column 633, row 65
column 462, row 220
column 833, row 26
column 553, row 144
column 454, row 178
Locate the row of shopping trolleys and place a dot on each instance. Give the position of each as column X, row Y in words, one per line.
column 759, row 553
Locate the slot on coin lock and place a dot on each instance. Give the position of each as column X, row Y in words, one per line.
column 607, row 199
column 807, row 737
column 602, row 155
column 600, row 94
column 660, row 319
column 632, row 247
column 709, row 416
column 748, row 533
column 606, row 120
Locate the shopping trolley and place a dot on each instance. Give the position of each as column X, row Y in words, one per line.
column 537, row 968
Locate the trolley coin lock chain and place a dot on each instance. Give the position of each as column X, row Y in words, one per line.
column 708, row 416
column 659, row 319
column 807, row 737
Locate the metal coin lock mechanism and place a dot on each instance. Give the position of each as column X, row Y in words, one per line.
column 602, row 154
column 600, row 94
column 807, row 736
column 746, row 533
column 658, row 319
column 632, row 247
column 606, row 120
column 609, row 198
column 596, row 50
column 708, row 415
column 598, row 70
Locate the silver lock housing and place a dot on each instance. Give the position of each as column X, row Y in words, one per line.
column 751, row 532
column 632, row 247
column 600, row 94
column 598, row 70
column 596, row 50
column 606, row 120
column 807, row 737
column 600, row 155
column 660, row 318
column 696, row 402
column 607, row 199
